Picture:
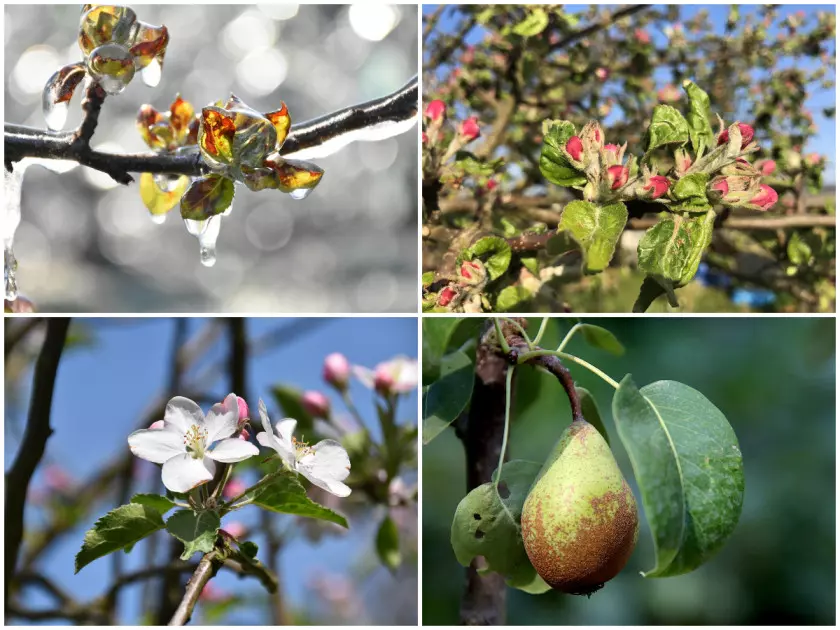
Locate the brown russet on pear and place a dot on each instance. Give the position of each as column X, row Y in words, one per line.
column 579, row 522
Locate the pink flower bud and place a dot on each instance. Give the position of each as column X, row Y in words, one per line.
column 235, row 529
column 425, row 138
column 315, row 404
column 767, row 167
column 157, row 424
column 435, row 110
column 812, row 159
column 491, row 184
column 211, row 593
column 244, row 435
column 642, row 36
column 383, row 381
column 337, row 370
column 765, row 199
column 617, row 176
column 747, row 133
column 721, row 186
column 659, row 184
column 233, row 488
column 243, row 409
column 602, row 73
column 612, row 148
column 469, row 129
column 446, row 296
column 574, row 147
column 469, row 269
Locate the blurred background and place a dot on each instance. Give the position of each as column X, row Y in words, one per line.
column 86, row 243
column 114, row 373
column 774, row 380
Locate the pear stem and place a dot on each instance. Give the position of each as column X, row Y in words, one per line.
column 527, row 356
column 549, row 360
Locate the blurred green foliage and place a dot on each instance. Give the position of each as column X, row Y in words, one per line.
column 774, row 379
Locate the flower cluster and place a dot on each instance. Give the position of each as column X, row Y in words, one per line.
column 464, row 293
column 115, row 45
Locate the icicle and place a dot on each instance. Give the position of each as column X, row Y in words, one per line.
column 207, row 232
column 11, row 219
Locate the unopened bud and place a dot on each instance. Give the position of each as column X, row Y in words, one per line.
column 766, row 198
column 315, row 404
column 446, row 296
column 435, row 110
column 658, row 186
column 747, row 133
column 337, row 370
column 617, row 176
column 469, row 129
column 574, row 147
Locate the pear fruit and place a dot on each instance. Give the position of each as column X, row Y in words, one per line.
column 579, row 521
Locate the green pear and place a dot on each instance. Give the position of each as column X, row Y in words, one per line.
column 579, row 522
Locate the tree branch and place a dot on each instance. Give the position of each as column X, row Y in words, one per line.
column 34, row 442
column 206, row 569
column 21, row 141
column 597, row 26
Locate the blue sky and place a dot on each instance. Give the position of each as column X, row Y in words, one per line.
column 823, row 143
column 101, row 392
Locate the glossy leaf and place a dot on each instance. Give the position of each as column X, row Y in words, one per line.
column 112, row 66
column 155, row 501
column 281, row 121
column 149, row 45
column 512, row 299
column 667, row 126
column 448, row 396
column 215, row 136
column 207, row 197
column 61, row 85
column 699, row 118
column 689, row 469
column 104, row 24
column 554, row 165
column 436, row 334
column 388, row 544
column 494, row 252
column 181, row 115
column 602, row 339
column 197, row 530
column 487, row 525
column 596, row 229
column 120, row 528
column 283, row 175
column 157, row 200
column 285, row 494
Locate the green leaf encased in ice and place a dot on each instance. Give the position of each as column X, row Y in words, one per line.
column 485, row 524
column 596, row 229
column 446, row 398
column 689, row 469
column 388, row 544
column 285, row 494
column 667, row 126
column 554, row 165
column 197, row 530
column 206, row 197
column 118, row 529
column 494, row 252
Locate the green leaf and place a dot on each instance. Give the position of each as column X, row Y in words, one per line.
column 798, row 250
column 689, row 193
column 207, row 197
column 494, row 252
column 590, row 411
column 554, row 165
column 155, row 501
column 689, row 469
column 596, row 229
column 119, row 528
column 289, row 400
column 197, row 530
column 648, row 292
column 488, row 525
column 285, row 494
column 534, row 24
column 447, row 397
column 249, row 548
column 602, row 339
column 667, row 126
column 436, row 334
column 388, row 544
column 699, row 118
column 531, row 264
column 428, row 278
column 671, row 250
column 511, row 299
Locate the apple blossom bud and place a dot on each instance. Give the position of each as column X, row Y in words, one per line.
column 157, row 424
column 446, row 296
column 56, row 478
column 315, row 404
column 337, row 370
column 574, row 147
column 233, row 488
column 617, row 176
column 469, row 129
column 812, row 159
column 435, row 110
column 642, row 36
column 612, row 148
column 234, row 530
column 721, row 186
column 212, row 593
column 491, row 184
column 243, row 409
column 244, row 435
column 767, row 167
column 747, row 133
column 659, row 185
column 472, row 272
column 765, row 199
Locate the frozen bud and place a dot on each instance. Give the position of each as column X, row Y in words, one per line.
column 435, row 110
column 234, row 488
column 747, row 133
column 337, row 370
column 767, row 167
column 617, row 176
column 574, row 147
column 602, row 74
column 446, row 296
column 657, row 186
column 315, row 404
column 766, row 198
column 469, row 129
column 234, row 530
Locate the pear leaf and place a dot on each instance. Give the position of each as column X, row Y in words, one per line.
column 447, row 397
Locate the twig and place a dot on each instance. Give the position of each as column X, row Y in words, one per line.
column 205, row 570
column 21, row 141
column 34, row 442
column 597, row 26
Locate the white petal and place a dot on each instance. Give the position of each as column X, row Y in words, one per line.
column 266, row 421
column 285, row 430
column 269, row 440
column 327, row 466
column 365, row 375
column 156, row 445
column 232, row 450
column 183, row 473
column 221, row 421
column 183, row 413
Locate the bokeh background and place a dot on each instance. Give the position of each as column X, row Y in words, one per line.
column 86, row 244
column 114, row 369
column 774, row 379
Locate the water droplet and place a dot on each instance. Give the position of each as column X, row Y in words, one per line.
column 208, row 256
column 9, row 268
column 151, row 73
column 207, row 232
column 58, row 90
column 157, row 219
column 300, row 193
column 112, row 66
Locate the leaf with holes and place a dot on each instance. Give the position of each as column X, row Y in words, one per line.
column 486, row 524
column 447, row 397
column 688, row 467
column 197, row 530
